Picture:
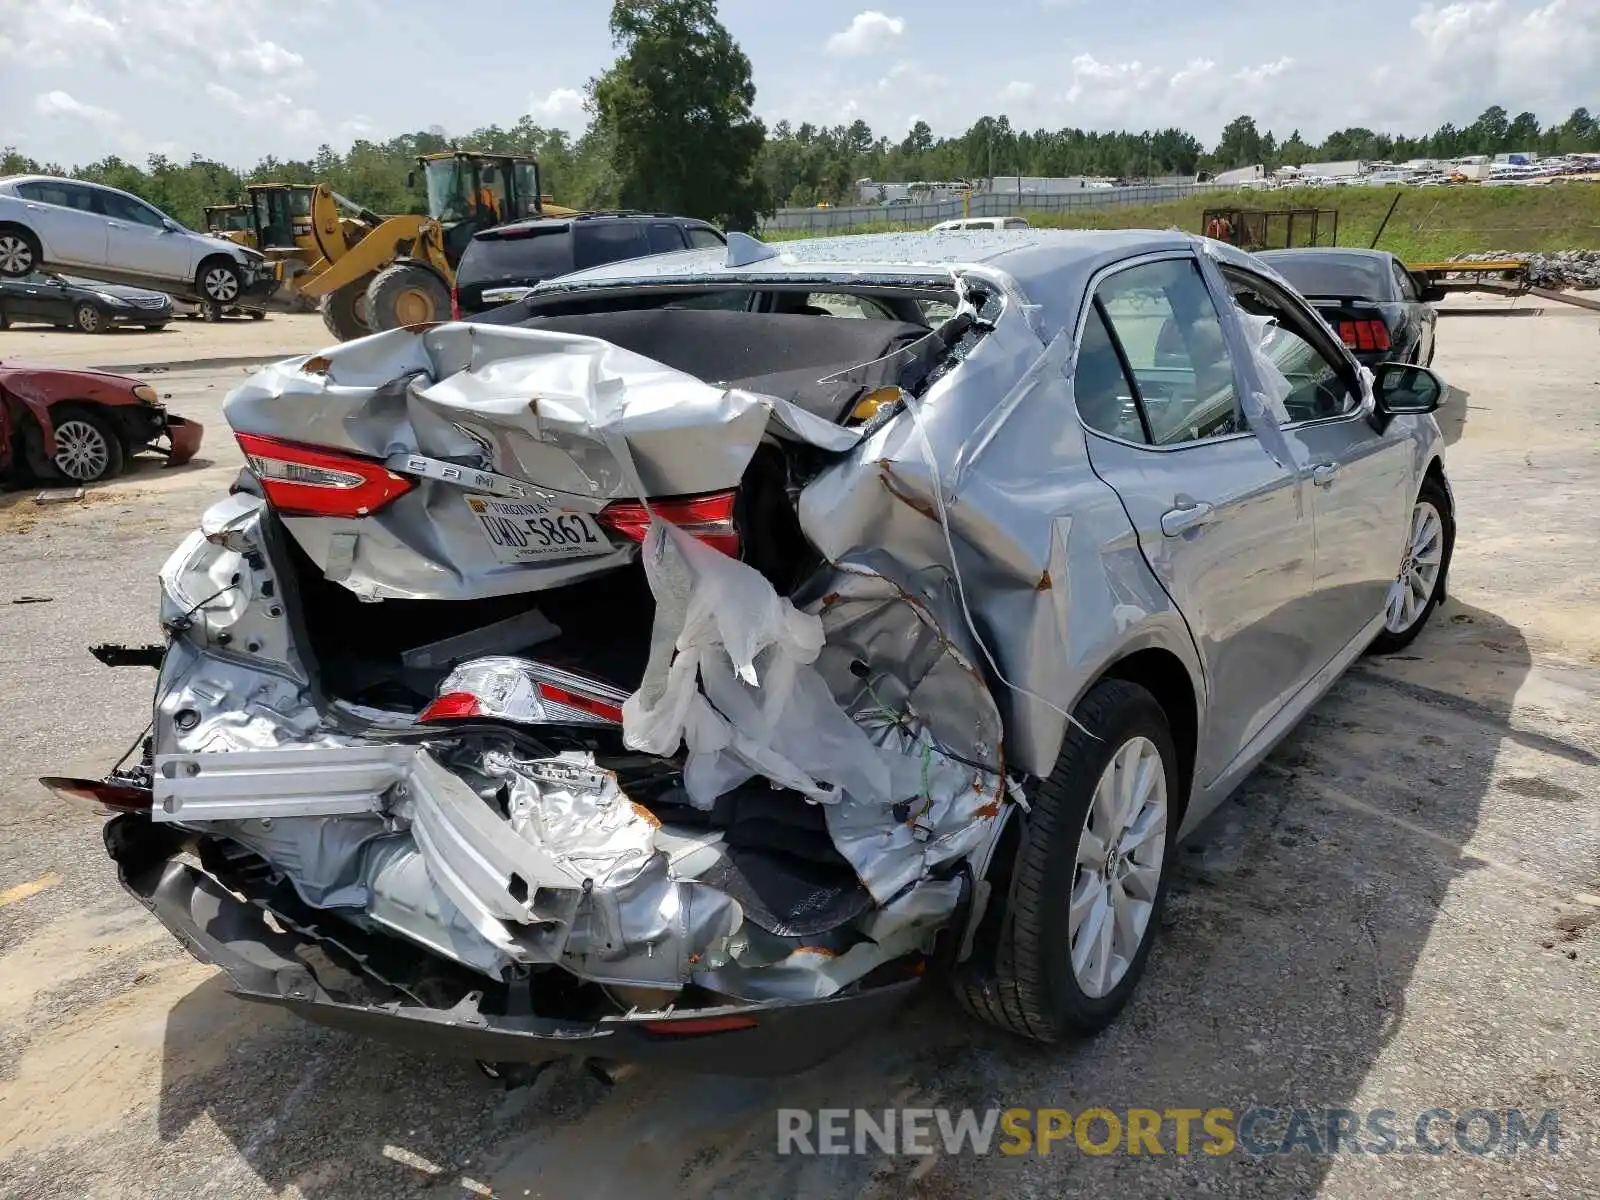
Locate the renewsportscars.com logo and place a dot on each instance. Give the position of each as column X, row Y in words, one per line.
column 1256, row 1131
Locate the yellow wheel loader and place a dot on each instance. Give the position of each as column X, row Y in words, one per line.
column 231, row 221
column 370, row 273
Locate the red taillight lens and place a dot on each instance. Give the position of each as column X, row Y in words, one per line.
column 589, row 704
column 1364, row 335
column 706, row 518
column 452, row 706
column 698, row 1026
column 308, row 481
column 121, row 797
column 455, row 305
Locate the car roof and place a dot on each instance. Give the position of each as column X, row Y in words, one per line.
column 1022, row 253
column 1328, row 253
column 566, row 222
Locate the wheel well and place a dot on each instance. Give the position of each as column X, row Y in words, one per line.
column 1435, row 472
column 218, row 257
column 1163, row 675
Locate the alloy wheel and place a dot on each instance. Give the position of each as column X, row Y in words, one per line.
column 81, row 451
column 16, row 256
column 1419, row 570
column 89, row 318
column 221, row 285
column 1118, row 872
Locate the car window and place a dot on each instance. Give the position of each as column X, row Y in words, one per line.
column 598, row 242
column 1167, row 326
column 702, row 238
column 126, row 208
column 526, row 258
column 1332, row 276
column 1403, row 281
column 1317, row 382
column 838, row 304
column 1017, row 223
column 1103, row 392
column 664, row 238
column 67, row 195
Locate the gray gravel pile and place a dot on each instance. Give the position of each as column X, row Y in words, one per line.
column 1553, row 269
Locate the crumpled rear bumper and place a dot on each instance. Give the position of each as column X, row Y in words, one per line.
column 269, row 965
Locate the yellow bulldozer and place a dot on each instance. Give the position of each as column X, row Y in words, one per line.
column 369, row 272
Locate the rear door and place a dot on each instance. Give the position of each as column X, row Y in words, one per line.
column 139, row 241
column 38, row 297
column 1221, row 523
column 64, row 213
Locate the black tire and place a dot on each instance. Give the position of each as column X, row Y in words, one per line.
column 70, row 417
column 218, row 282
column 87, row 318
column 1020, row 978
column 1390, row 640
column 157, row 327
column 20, row 252
column 344, row 311
column 404, row 294
column 256, row 314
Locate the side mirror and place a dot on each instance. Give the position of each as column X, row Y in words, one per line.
column 169, row 226
column 1401, row 388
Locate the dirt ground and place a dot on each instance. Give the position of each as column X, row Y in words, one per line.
column 1396, row 911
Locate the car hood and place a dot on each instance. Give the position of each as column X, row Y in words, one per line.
column 122, row 291
column 16, row 373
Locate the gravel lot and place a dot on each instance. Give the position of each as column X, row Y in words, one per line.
column 1395, row 911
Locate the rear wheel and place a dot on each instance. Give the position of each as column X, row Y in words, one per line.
column 19, row 252
column 87, row 447
column 406, row 294
column 88, row 319
column 1089, row 878
column 344, row 312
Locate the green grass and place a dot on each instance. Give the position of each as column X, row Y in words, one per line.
column 1429, row 224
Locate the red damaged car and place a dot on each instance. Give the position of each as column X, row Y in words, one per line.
column 63, row 424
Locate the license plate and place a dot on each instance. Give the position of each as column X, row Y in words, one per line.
column 525, row 531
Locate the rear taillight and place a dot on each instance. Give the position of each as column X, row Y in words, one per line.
column 706, row 518
column 455, row 305
column 1364, row 335
column 698, row 1026
column 525, row 691
column 120, row 797
column 309, row 481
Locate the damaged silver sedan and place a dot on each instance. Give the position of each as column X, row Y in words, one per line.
column 698, row 656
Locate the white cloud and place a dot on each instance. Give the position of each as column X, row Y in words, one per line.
column 562, row 108
column 1108, row 85
column 1191, row 73
column 60, row 104
column 1264, row 72
column 1016, row 92
column 870, row 32
column 267, row 60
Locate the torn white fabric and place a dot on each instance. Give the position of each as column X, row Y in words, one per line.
column 1260, row 333
column 719, row 624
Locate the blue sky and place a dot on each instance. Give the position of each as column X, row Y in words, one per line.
column 236, row 79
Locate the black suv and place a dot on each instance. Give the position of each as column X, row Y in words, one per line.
column 500, row 265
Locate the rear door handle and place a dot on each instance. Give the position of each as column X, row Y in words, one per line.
column 1323, row 474
column 1187, row 517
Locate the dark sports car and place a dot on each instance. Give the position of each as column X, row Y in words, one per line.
column 1378, row 308
column 91, row 307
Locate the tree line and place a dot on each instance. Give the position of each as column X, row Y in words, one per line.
column 687, row 141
